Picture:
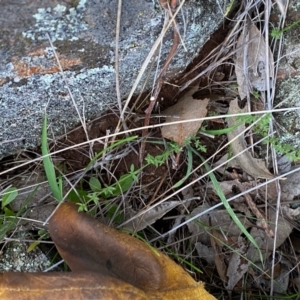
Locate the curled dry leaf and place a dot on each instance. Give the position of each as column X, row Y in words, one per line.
column 250, row 63
column 186, row 108
column 105, row 263
column 253, row 166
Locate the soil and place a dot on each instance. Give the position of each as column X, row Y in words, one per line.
column 78, row 158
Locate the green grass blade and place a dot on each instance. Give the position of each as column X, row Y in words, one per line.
column 115, row 144
column 189, row 168
column 222, row 131
column 56, row 188
column 228, row 207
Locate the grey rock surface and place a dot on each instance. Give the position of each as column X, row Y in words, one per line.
column 83, row 34
column 287, row 89
column 16, row 257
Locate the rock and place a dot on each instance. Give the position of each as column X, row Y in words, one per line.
column 16, row 257
column 288, row 76
column 83, row 34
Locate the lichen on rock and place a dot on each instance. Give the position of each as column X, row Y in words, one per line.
column 83, row 35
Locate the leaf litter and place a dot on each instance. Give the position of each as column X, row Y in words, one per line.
column 253, row 166
column 250, row 63
column 185, row 109
column 216, row 227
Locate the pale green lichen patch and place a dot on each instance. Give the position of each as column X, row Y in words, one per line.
column 60, row 22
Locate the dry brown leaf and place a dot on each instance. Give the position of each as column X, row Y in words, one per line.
column 219, row 255
column 186, row 108
column 250, row 63
column 105, row 263
column 253, row 166
column 264, row 242
column 216, row 219
column 261, row 221
column 205, row 252
column 281, row 275
column 67, row 285
column 237, row 266
column 290, row 188
column 269, row 191
column 296, row 282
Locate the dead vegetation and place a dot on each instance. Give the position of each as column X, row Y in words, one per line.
column 202, row 181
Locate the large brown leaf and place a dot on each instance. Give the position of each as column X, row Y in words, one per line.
column 67, row 285
column 105, row 264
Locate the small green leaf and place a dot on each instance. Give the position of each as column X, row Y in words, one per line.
column 32, row 246
column 8, row 212
column 95, row 185
column 109, row 191
column 78, row 196
column 43, row 234
column 123, row 184
column 94, row 197
column 133, row 173
column 82, row 207
column 9, row 195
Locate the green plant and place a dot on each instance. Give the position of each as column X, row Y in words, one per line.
column 7, row 197
column 9, row 219
column 100, row 193
column 198, row 145
column 43, row 234
column 276, row 32
column 262, row 128
column 158, row 160
column 227, row 205
column 79, row 195
column 256, row 94
column 55, row 182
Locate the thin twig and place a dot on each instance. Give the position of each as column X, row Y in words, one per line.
column 169, row 10
column 260, row 218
